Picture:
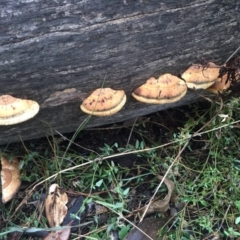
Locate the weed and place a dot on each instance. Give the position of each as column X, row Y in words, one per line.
column 199, row 151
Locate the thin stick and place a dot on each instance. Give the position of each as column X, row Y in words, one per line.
column 165, row 175
column 231, row 56
column 130, row 135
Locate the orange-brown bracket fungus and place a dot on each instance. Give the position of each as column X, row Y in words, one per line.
column 104, row 102
column 201, row 77
column 15, row 110
column 220, row 85
column 166, row 89
column 10, row 177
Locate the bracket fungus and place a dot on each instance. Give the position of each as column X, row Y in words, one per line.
column 220, row 85
column 15, row 110
column 201, row 77
column 104, row 102
column 10, row 177
column 166, row 89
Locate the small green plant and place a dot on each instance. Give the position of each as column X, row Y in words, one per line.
column 206, row 175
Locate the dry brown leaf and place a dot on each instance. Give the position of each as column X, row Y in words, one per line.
column 161, row 205
column 55, row 205
column 149, row 226
column 14, row 236
column 59, row 235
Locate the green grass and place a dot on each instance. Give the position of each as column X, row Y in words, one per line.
column 206, row 174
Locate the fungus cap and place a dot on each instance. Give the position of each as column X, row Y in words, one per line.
column 166, row 89
column 10, row 177
column 200, row 77
column 15, row 110
column 104, row 102
column 220, row 85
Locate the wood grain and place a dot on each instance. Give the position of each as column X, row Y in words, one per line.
column 73, row 47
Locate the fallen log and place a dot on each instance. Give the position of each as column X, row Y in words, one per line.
column 57, row 52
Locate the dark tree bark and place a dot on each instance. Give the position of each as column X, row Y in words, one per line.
column 51, row 46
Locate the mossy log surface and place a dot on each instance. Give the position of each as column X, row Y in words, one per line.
column 73, row 46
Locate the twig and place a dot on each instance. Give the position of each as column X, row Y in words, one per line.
column 130, row 135
column 231, row 56
column 165, row 175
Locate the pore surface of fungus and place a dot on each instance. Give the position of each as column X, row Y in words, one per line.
column 104, row 102
column 201, row 77
column 15, row 110
column 166, row 89
column 10, row 177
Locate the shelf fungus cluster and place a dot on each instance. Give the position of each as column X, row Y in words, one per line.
column 106, row 101
column 15, row 110
column 163, row 90
column 10, row 178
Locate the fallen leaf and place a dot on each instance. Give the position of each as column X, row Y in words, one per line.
column 161, row 205
column 59, row 235
column 149, row 226
column 55, row 205
column 14, row 236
